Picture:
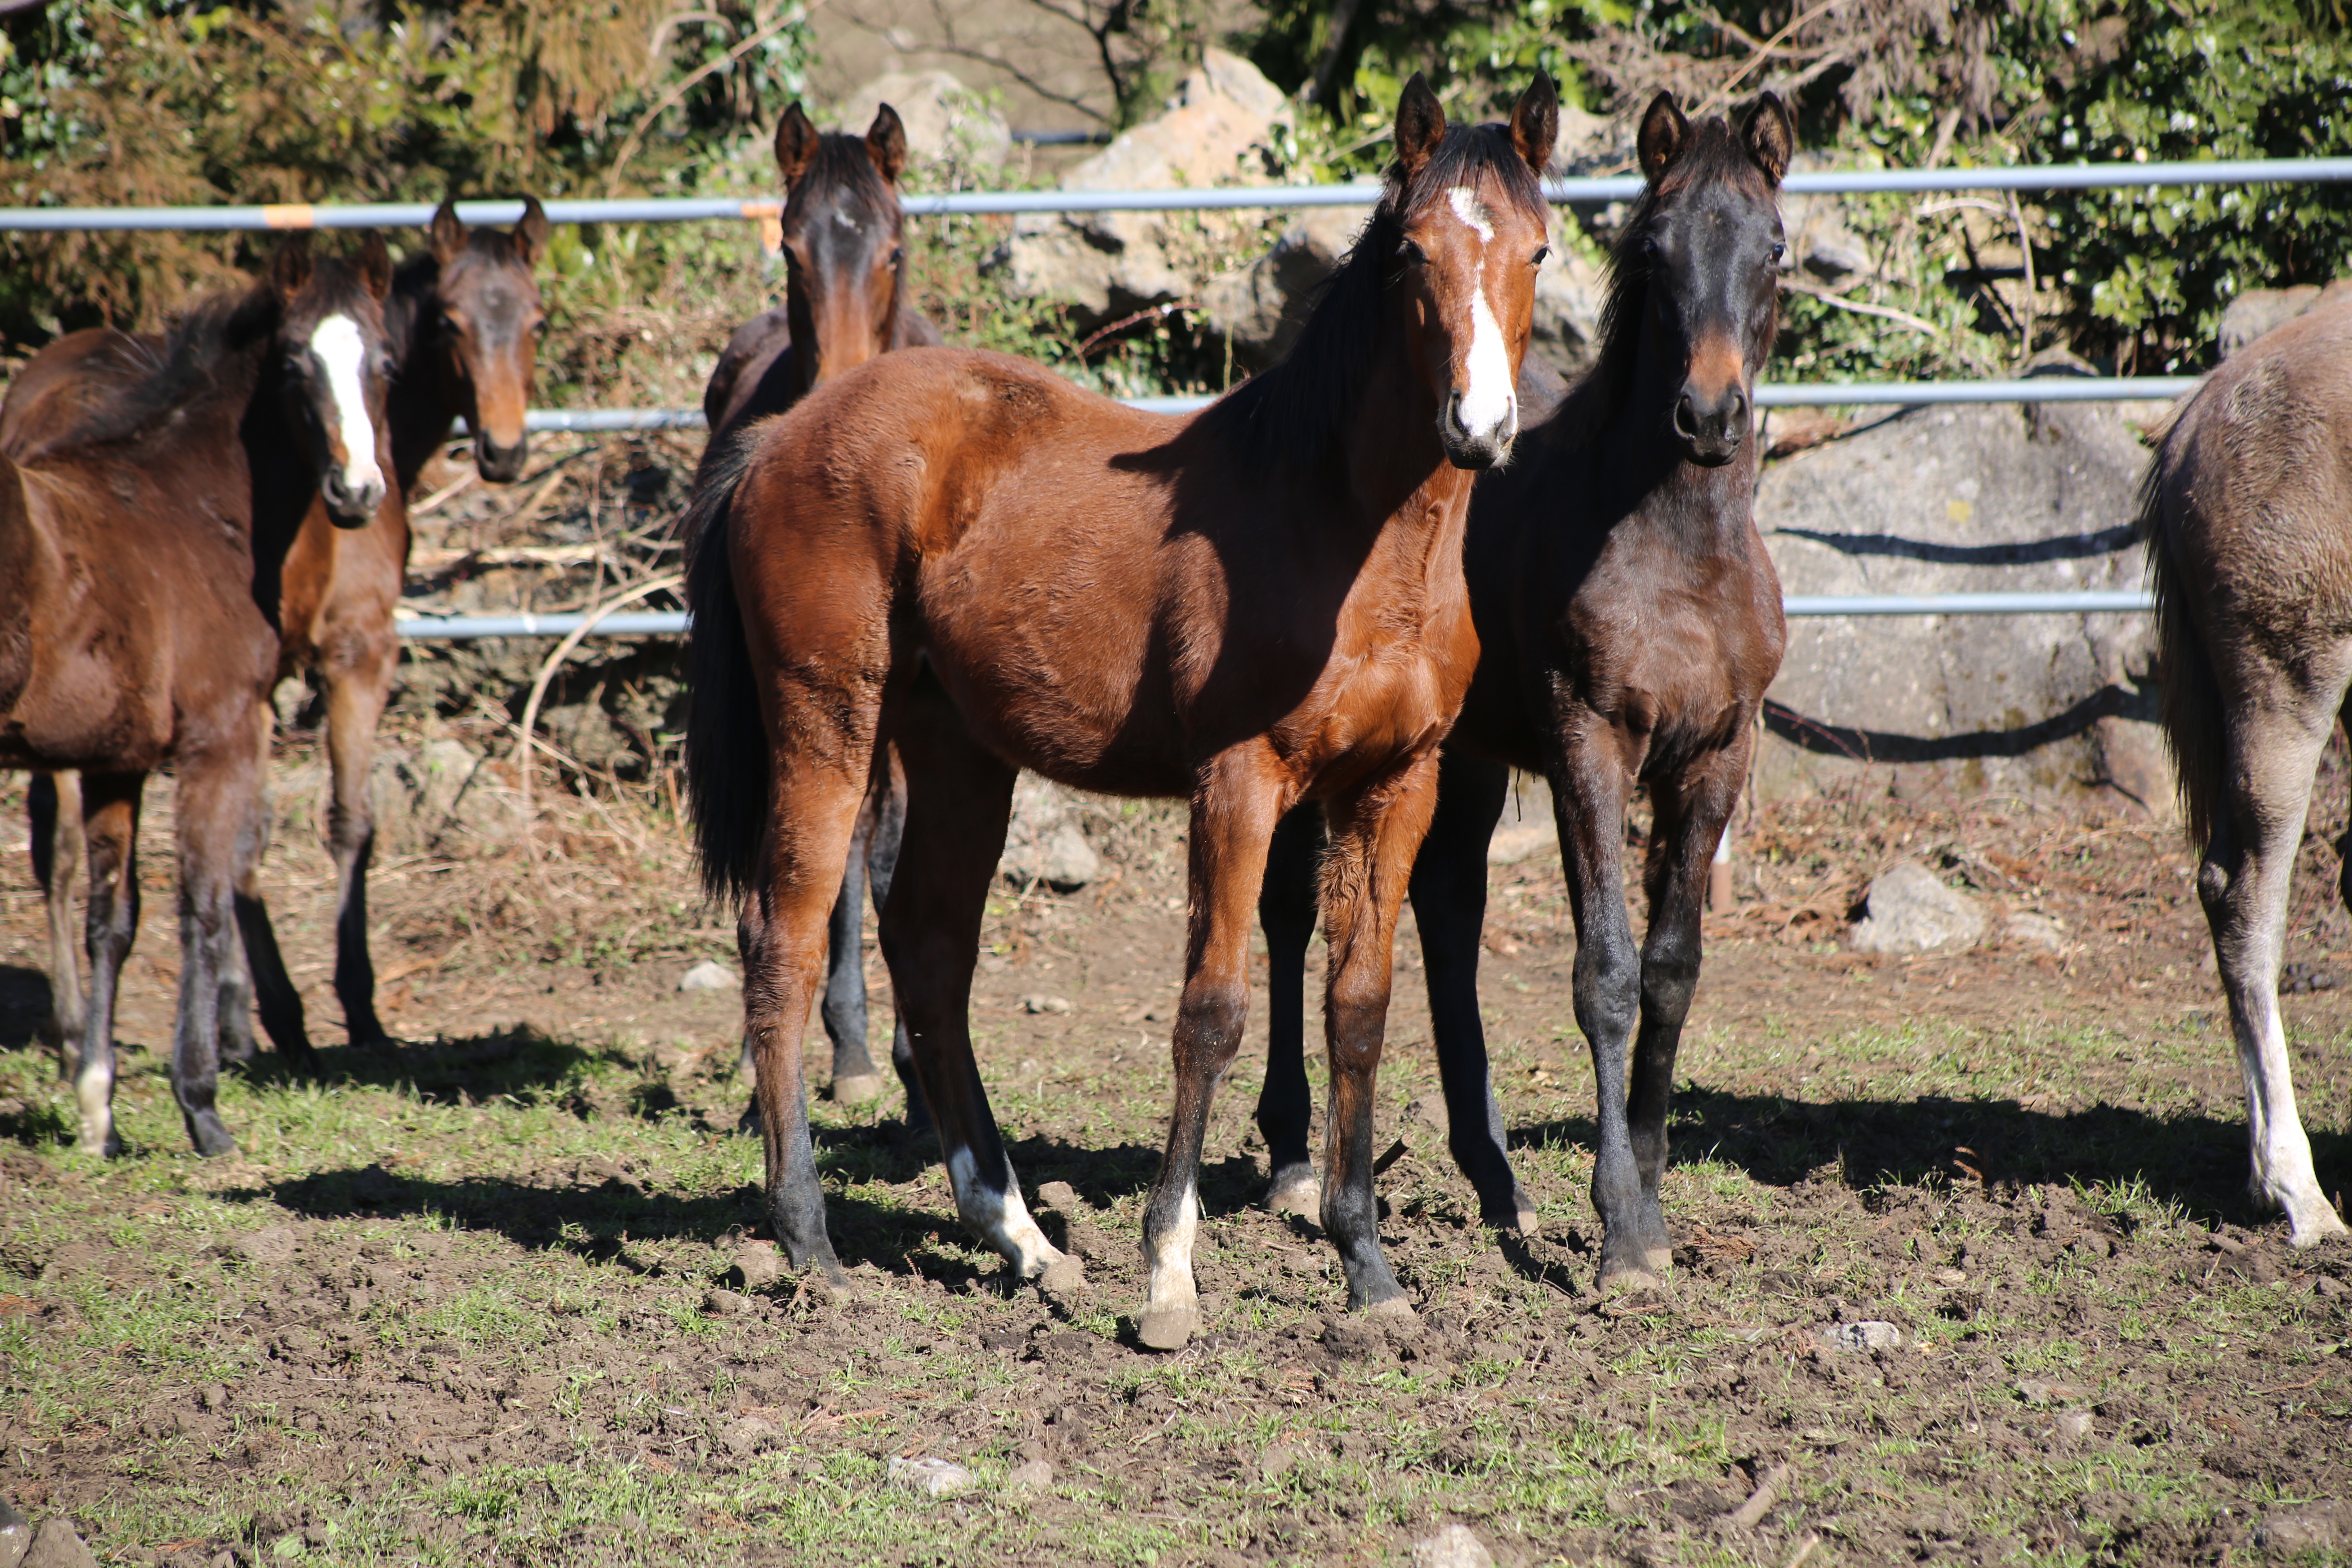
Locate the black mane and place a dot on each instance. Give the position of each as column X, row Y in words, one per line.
column 139, row 381
column 1298, row 403
column 1713, row 155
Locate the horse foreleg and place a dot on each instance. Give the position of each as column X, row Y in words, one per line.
column 1449, row 905
column 279, row 1003
column 357, row 688
column 1239, row 800
column 1693, row 812
column 109, row 803
column 58, row 855
column 218, row 811
column 1286, row 912
column 959, row 796
column 2275, row 733
column 1588, row 790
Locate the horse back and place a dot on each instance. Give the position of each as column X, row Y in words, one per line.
column 68, row 391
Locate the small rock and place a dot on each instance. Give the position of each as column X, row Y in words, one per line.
column 273, row 1244
column 743, row 1436
column 1911, row 911
column 757, row 1266
column 56, row 1546
column 721, row 1302
column 2315, row 1527
column 1949, row 1277
column 2037, row 1392
column 708, row 975
column 932, row 1478
column 1863, row 1336
column 1059, row 1196
column 1038, row 1002
column 1454, row 1546
column 16, row 1535
column 214, row 1397
column 1034, row 1476
column 2026, row 929
column 2073, row 1425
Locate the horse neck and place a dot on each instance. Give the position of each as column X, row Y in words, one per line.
column 1391, row 459
column 416, row 403
column 285, row 476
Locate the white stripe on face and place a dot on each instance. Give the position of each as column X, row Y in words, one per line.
column 1471, row 211
column 1490, row 405
column 343, row 352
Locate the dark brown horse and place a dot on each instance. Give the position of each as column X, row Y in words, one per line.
column 132, row 529
column 465, row 317
column 2248, row 519
column 962, row 553
column 1628, row 621
column 460, row 331
column 845, row 300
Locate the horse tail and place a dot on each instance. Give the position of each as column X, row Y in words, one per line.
column 726, row 761
column 2191, row 698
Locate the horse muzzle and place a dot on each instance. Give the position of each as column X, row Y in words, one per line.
column 500, row 465
column 1711, row 425
column 1473, row 443
column 350, row 502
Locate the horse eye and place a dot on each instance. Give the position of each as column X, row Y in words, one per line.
column 1411, row 253
column 898, row 254
column 1779, row 250
column 1541, row 251
column 449, row 323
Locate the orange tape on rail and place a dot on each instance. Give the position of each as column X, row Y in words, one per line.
column 290, row 215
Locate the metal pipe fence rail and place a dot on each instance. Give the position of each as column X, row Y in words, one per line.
column 1593, row 190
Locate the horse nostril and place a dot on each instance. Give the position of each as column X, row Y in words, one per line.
column 1686, row 418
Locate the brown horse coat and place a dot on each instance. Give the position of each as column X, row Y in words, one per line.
column 960, row 553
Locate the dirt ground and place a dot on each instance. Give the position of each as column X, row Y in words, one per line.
column 479, row 1299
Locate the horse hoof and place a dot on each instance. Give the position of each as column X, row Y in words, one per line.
column 212, row 1139
column 1301, row 1196
column 1616, row 1282
column 858, row 1089
column 1527, row 1222
column 1168, row 1327
column 1659, row 1258
column 1395, row 1310
column 1063, row 1281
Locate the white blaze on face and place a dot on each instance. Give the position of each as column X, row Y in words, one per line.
column 343, row 352
column 1489, row 404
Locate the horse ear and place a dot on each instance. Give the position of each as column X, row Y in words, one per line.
column 1664, row 131
column 1771, row 138
column 795, row 144
column 530, row 235
column 375, row 265
column 449, row 232
column 1420, row 126
column 886, row 144
column 290, row 270
column 1535, row 122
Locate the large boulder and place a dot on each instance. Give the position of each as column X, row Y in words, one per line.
column 2259, row 311
column 943, row 118
column 1218, row 130
column 1042, row 840
column 1959, row 499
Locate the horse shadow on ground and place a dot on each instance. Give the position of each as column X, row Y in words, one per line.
column 2198, row 1162
column 23, row 1006
column 520, row 1066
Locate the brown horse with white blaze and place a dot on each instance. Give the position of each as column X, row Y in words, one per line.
column 2248, row 518
column 1629, row 622
column 962, row 554
column 132, row 529
column 845, row 300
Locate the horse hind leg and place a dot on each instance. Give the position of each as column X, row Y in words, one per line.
column 1286, row 912
column 854, row 1081
column 881, row 865
column 959, row 798
column 218, row 803
column 110, row 828
column 2275, row 734
column 356, row 694
column 58, row 857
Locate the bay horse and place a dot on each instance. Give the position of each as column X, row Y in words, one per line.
column 845, row 300
column 2247, row 512
column 132, row 530
column 962, row 553
column 1629, row 621
column 464, row 319
column 460, row 328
